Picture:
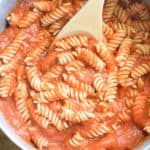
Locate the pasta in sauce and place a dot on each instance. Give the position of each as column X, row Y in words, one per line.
column 80, row 93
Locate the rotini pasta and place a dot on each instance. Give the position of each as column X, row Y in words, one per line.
column 44, row 5
column 140, row 70
column 53, row 117
column 7, row 85
column 90, row 58
column 109, row 9
column 76, row 92
column 11, row 50
column 29, row 18
column 55, row 15
column 123, row 51
column 21, row 95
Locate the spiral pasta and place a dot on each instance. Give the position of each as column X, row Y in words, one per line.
column 37, row 138
column 8, row 67
column 124, row 72
column 121, row 14
column 74, row 66
column 21, row 95
column 34, row 74
column 34, row 55
column 111, row 88
column 7, row 85
column 109, row 9
column 123, row 51
column 29, row 18
column 75, row 83
column 90, row 58
column 77, row 140
column 41, row 121
column 55, row 15
column 53, row 117
column 142, row 25
column 142, row 49
column 99, row 130
column 116, row 39
column 11, row 50
column 44, row 5
column 76, row 92
column 99, row 83
column 140, row 70
column 65, row 58
column 125, row 27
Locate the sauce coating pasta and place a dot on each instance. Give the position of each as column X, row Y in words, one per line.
column 77, row 93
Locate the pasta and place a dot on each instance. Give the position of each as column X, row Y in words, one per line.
column 123, row 51
column 90, row 58
column 76, row 92
column 21, row 95
column 72, row 81
column 7, row 85
column 140, row 70
column 121, row 14
column 77, row 140
column 55, row 15
column 44, row 5
column 109, row 9
column 11, row 50
column 29, row 18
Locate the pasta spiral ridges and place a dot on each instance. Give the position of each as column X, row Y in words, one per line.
column 29, row 18
column 109, row 8
column 140, row 70
column 37, row 138
column 55, row 14
column 72, row 81
column 77, row 140
column 44, row 5
column 21, row 95
column 11, row 50
column 7, row 85
column 52, row 116
column 90, row 58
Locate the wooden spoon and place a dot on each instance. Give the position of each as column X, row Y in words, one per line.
column 87, row 21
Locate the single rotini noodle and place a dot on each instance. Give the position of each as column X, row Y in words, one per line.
column 29, row 18
column 111, row 88
column 122, row 26
column 123, row 51
column 34, row 55
column 11, row 50
column 142, row 49
column 43, row 5
column 21, row 95
column 77, row 140
column 55, row 14
column 121, row 14
column 75, row 83
column 116, row 40
column 74, row 66
column 140, row 70
column 37, row 138
column 65, row 58
column 109, row 8
column 90, row 58
column 142, row 25
column 52, row 117
column 7, row 85
column 124, row 72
